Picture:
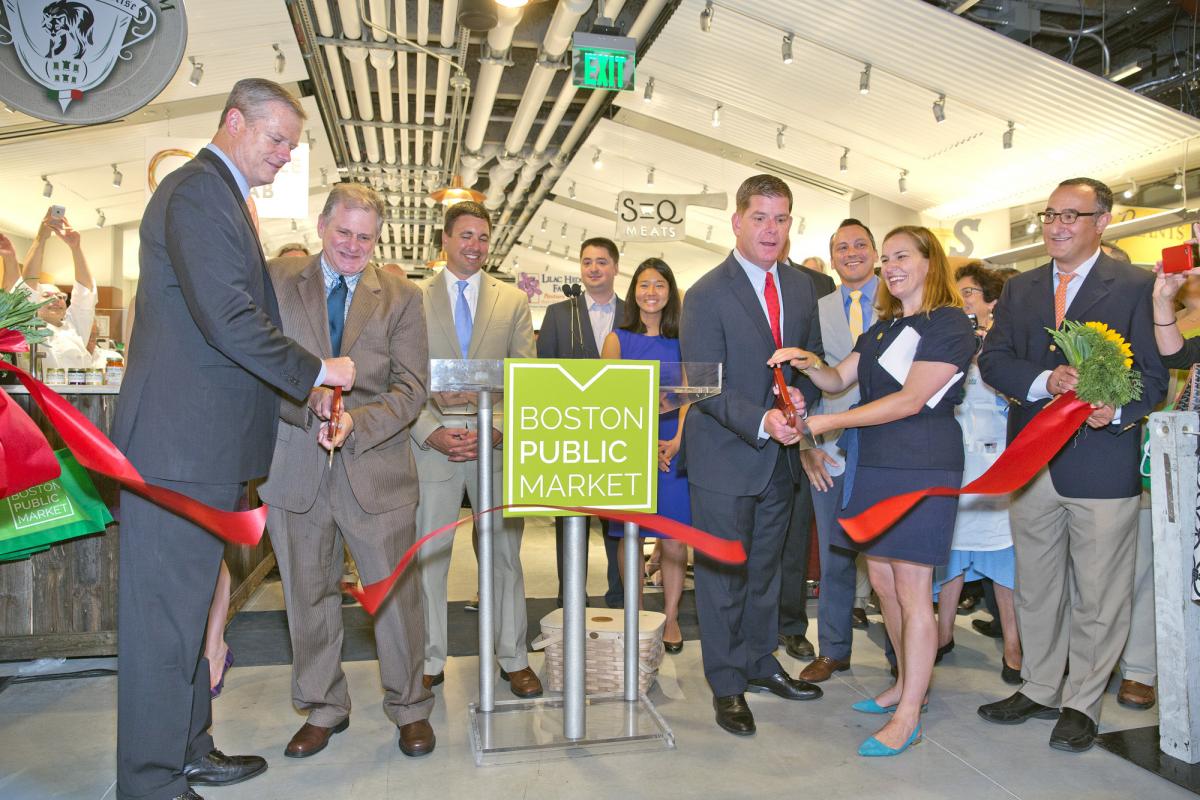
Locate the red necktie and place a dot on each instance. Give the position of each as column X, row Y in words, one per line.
column 772, row 298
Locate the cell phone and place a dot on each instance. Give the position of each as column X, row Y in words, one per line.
column 58, row 212
column 1180, row 257
column 974, row 321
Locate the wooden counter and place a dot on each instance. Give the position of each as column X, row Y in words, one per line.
column 63, row 601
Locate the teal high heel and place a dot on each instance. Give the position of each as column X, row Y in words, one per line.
column 869, row 706
column 873, row 748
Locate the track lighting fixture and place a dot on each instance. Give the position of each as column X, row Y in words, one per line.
column 596, row 162
column 280, row 60
column 650, row 176
column 648, row 92
column 779, row 136
column 117, row 177
column 903, row 181
column 706, row 17
column 864, row 80
column 1031, row 226
column 787, row 48
column 716, row 116
column 571, row 190
column 563, row 233
column 47, row 187
column 1008, row 135
column 197, row 71
column 99, row 218
column 844, row 161
column 1130, row 190
column 1179, row 178
column 939, row 109
column 542, row 229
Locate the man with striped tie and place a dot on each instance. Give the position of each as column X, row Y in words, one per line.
column 1075, row 524
column 470, row 314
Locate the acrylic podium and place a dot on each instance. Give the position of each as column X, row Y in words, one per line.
column 572, row 723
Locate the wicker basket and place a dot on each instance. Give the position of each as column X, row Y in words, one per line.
column 604, row 648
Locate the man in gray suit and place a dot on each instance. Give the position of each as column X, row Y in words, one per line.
column 844, row 314
column 336, row 302
column 741, row 467
column 575, row 328
column 197, row 414
column 470, row 314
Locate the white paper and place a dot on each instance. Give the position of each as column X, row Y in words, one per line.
column 898, row 359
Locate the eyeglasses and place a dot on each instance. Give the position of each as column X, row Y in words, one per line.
column 1067, row 216
column 967, row 291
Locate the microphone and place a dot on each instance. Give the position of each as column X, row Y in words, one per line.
column 572, row 291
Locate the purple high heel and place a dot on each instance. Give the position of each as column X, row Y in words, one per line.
column 216, row 690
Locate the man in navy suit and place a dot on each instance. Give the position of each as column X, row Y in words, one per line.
column 575, row 328
column 742, row 466
column 1075, row 523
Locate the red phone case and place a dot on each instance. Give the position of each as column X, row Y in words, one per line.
column 1179, row 258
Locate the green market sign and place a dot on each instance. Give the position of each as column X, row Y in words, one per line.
column 603, row 62
column 580, row 432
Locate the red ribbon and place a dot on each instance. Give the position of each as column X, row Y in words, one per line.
column 1033, row 448
column 93, row 450
column 372, row 595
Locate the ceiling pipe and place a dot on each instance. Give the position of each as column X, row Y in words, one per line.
column 401, row 17
column 336, row 77
column 491, row 68
column 449, row 15
column 1071, row 35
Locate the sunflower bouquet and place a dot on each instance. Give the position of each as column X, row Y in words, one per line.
column 1104, row 361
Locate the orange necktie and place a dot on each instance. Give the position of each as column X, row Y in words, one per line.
column 1060, row 297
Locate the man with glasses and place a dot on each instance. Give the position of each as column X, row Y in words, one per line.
column 1075, row 523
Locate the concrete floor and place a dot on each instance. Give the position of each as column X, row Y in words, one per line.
column 57, row 738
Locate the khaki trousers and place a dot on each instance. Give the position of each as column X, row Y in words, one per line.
column 1059, row 540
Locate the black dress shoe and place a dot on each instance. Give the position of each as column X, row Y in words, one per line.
column 218, row 769
column 988, row 627
column 797, row 647
column 1010, row 675
column 734, row 715
column 673, row 647
column 1075, row 732
column 1016, row 709
column 942, row 651
column 188, row 795
column 783, row 685
column 858, row 619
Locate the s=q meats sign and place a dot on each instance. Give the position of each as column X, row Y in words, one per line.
column 653, row 217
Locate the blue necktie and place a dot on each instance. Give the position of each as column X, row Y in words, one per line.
column 462, row 318
column 335, row 304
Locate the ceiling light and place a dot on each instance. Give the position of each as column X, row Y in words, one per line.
column 324, row 177
column 1130, row 190
column 1124, row 72
column 716, row 116
column 455, row 193
column 787, row 48
column 596, row 162
column 706, row 17
column 622, row 248
column 571, row 190
column 583, row 235
column 903, row 181
column 197, row 71
column 99, row 218
column 939, row 108
column 708, row 234
column 801, row 225
column 542, row 229
column 295, row 227
column 1008, row 136
column 779, row 136
column 864, row 80
column 47, row 187
column 516, row 263
column 648, row 92
column 1031, row 226
column 547, row 247
column 563, row 232
column 844, row 161
column 280, row 59
column 117, row 176
column 650, row 176
column 1179, row 178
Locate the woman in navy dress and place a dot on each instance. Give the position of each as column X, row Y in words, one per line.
column 908, row 438
column 650, row 332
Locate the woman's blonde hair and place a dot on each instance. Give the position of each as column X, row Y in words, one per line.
column 940, row 287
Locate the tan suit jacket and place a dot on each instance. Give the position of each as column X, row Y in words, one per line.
column 385, row 335
column 503, row 329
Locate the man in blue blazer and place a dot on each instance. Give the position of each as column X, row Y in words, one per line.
column 197, row 414
column 1076, row 522
column 742, row 465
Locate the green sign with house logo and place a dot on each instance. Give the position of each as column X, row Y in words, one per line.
column 580, row 432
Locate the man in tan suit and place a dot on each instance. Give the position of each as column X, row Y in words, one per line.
column 470, row 315
column 337, row 302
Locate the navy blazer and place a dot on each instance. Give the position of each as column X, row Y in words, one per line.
column 555, row 337
column 207, row 361
column 1095, row 463
column 723, row 322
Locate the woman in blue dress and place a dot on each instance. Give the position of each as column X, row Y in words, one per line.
column 650, row 332
column 909, row 367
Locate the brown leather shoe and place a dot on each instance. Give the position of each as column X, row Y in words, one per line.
column 524, row 682
column 311, row 739
column 417, row 739
column 430, row 681
column 1136, row 695
column 821, row 668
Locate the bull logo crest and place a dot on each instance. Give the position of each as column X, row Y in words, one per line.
column 71, row 46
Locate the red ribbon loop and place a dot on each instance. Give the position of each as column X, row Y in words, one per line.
column 1033, row 448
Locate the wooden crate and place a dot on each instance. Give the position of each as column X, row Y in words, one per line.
column 604, row 649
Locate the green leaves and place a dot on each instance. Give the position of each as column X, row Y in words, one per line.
column 19, row 313
column 1104, row 361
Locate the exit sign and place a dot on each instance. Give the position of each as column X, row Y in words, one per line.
column 603, row 62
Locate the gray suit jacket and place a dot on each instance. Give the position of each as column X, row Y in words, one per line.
column 503, row 329
column 724, row 323
column 555, row 338
column 835, row 336
column 207, row 361
column 385, row 336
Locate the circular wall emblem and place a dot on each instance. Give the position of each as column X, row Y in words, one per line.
column 88, row 61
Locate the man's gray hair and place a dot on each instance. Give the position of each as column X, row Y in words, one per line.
column 355, row 195
column 252, row 96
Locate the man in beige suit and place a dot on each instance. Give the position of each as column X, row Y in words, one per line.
column 470, row 315
column 337, row 302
